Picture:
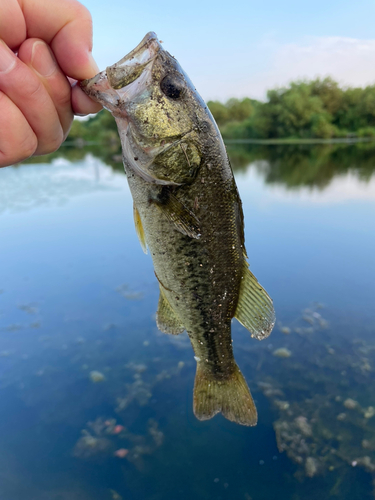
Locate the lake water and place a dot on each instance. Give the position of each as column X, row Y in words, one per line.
column 96, row 403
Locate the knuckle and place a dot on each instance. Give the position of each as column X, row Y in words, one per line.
column 63, row 99
column 22, row 83
column 25, row 148
column 35, row 87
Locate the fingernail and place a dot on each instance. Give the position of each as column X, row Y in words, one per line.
column 42, row 59
column 93, row 64
column 7, row 58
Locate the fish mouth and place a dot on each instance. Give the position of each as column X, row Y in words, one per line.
column 130, row 67
column 104, row 85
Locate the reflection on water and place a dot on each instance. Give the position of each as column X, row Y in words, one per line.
column 302, row 165
column 25, row 188
column 96, row 402
column 292, row 165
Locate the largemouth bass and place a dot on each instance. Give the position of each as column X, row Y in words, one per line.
column 188, row 213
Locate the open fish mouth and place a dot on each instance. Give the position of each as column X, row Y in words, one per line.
column 105, row 86
column 130, row 67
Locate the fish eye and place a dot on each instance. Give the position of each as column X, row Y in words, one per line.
column 173, row 86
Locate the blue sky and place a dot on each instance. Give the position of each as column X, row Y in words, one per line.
column 243, row 48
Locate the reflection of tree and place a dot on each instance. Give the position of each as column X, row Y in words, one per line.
column 293, row 165
column 109, row 153
column 305, row 165
column 290, row 164
column 98, row 135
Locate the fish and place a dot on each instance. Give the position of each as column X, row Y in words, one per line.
column 188, row 214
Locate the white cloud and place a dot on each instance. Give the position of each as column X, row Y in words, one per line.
column 350, row 61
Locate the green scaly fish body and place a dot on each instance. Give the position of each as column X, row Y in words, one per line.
column 200, row 277
column 188, row 212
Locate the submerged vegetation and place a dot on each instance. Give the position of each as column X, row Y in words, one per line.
column 313, row 386
column 324, row 414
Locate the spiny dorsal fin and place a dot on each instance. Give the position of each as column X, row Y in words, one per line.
column 255, row 308
column 166, row 319
column 139, row 229
column 183, row 219
column 230, row 396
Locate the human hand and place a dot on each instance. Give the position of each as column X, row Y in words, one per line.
column 38, row 91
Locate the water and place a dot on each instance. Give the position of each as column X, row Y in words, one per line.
column 79, row 296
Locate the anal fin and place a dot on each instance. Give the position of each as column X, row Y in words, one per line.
column 166, row 319
column 139, row 229
column 230, row 396
column 255, row 307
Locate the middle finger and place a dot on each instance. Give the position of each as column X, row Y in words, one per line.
column 28, row 93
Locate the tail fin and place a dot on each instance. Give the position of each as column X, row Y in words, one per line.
column 230, row 396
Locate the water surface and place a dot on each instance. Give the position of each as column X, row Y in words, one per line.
column 77, row 304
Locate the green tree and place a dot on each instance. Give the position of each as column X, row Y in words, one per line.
column 219, row 112
column 304, row 109
column 239, row 110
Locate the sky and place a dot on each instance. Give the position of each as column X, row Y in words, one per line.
column 242, row 48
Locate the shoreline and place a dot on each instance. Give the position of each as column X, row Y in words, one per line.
column 272, row 142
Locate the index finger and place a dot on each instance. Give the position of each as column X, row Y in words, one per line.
column 66, row 25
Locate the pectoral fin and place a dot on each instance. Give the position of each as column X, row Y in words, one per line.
column 183, row 219
column 139, row 229
column 166, row 319
column 255, row 308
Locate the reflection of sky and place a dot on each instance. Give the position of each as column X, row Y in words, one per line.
column 80, row 243
column 343, row 188
column 35, row 185
column 311, row 244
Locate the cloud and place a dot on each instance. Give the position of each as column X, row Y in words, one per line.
column 349, row 61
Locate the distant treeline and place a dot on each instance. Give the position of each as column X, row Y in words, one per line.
column 303, row 110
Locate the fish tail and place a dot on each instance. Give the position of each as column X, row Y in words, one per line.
column 230, row 396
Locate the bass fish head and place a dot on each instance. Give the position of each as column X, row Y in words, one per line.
column 158, row 112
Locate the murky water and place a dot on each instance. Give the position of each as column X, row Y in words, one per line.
column 96, row 404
